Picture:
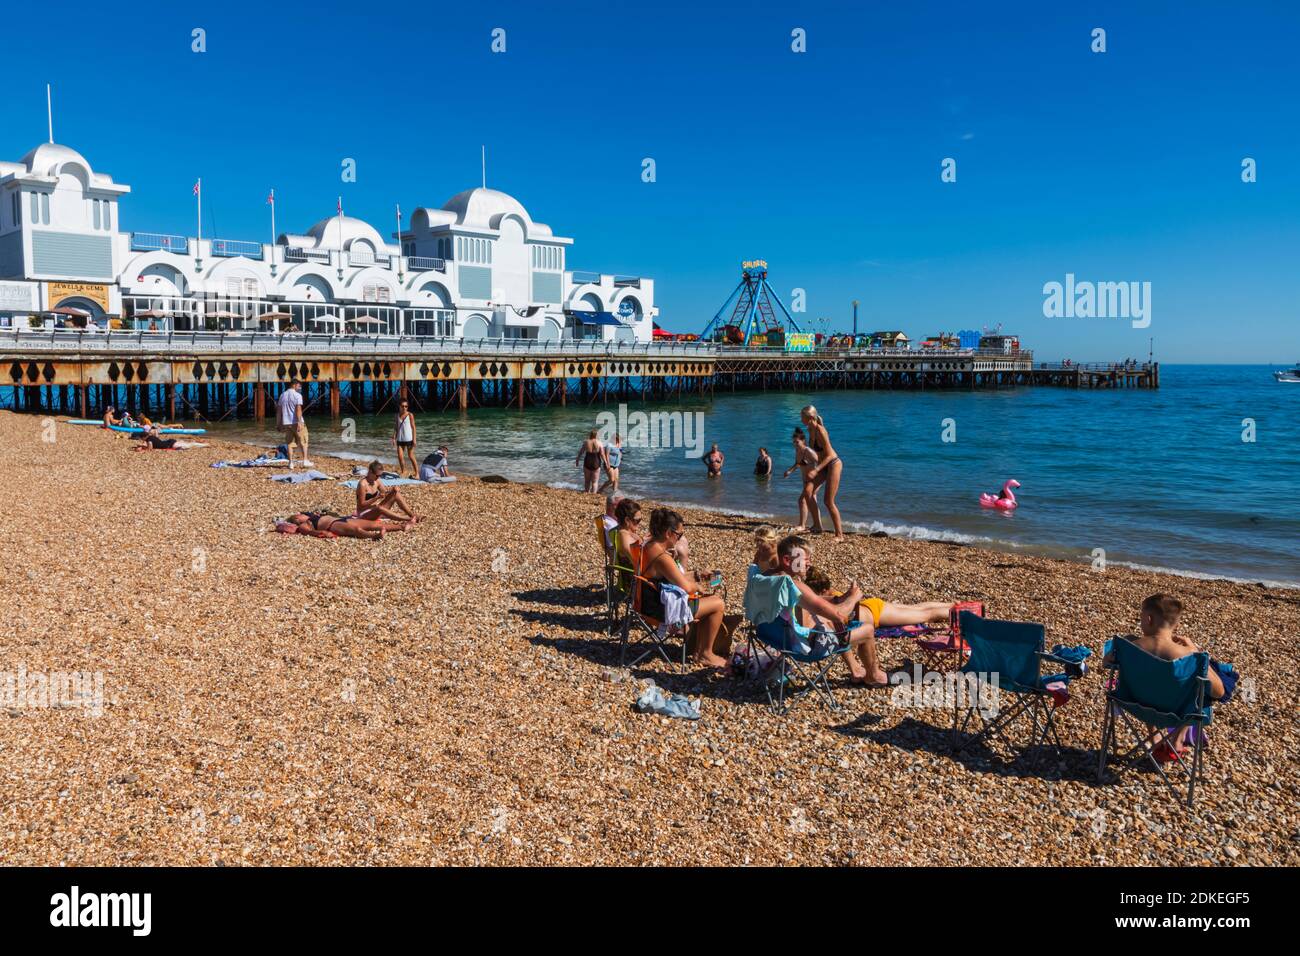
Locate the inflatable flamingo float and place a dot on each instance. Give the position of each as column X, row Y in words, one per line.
column 1006, row 501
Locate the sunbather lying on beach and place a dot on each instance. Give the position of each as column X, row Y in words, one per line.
column 377, row 500
column 832, row 614
column 153, row 440
column 713, row 628
column 320, row 524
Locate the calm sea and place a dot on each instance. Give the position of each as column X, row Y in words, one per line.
column 1157, row 479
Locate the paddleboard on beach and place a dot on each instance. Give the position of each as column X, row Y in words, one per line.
column 138, row 431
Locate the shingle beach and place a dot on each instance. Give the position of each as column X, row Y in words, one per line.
column 448, row 695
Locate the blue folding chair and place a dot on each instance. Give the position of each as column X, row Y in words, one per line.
column 1007, row 657
column 804, row 656
column 1156, row 700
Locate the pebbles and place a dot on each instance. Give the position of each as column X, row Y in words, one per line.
column 280, row 700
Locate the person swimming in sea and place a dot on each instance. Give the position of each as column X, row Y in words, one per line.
column 763, row 467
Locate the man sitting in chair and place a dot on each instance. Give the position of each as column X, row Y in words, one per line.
column 832, row 615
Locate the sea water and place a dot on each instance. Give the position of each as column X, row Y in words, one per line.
column 1200, row 476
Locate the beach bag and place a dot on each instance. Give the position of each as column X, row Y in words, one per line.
column 753, row 665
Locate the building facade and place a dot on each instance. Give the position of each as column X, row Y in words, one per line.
column 478, row 267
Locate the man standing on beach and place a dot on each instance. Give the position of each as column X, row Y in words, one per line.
column 289, row 405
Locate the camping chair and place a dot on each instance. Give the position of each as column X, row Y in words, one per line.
column 942, row 651
column 616, row 576
column 1007, row 655
column 639, row 627
column 802, row 664
column 1147, row 693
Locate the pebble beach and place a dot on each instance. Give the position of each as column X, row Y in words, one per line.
column 448, row 696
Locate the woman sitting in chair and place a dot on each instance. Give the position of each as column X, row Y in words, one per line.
column 627, row 514
column 713, row 628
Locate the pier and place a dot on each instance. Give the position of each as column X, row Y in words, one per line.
column 211, row 376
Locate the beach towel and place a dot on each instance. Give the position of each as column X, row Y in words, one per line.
column 654, row 700
column 767, row 595
column 261, row 461
column 298, row 477
column 677, row 610
column 437, row 480
column 353, row 482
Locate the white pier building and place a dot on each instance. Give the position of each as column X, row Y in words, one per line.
column 477, row 267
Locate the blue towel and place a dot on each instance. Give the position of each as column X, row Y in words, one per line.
column 654, row 700
column 352, row 483
column 1073, row 654
column 767, row 595
column 298, row 477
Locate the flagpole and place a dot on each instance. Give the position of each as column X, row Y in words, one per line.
column 271, row 251
column 198, row 243
column 484, row 156
column 49, row 111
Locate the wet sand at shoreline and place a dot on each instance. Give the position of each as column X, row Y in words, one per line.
column 448, row 695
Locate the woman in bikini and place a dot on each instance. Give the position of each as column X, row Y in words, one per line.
column 713, row 628
column 805, row 459
column 591, row 455
column 404, row 439
column 829, row 467
column 320, row 524
column 375, row 501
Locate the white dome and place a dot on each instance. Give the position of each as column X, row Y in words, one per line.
column 484, row 207
column 341, row 231
column 46, row 159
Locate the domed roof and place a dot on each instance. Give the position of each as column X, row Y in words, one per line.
column 339, row 232
column 484, row 207
column 46, row 159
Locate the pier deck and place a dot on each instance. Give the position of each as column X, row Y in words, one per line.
column 219, row 375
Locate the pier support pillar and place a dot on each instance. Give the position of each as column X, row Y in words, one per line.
column 334, row 399
column 83, row 389
column 259, row 401
column 462, row 396
column 519, row 387
column 564, row 391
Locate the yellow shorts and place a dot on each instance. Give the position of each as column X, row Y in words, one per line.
column 875, row 606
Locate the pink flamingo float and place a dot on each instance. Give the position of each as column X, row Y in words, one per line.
column 1005, row 501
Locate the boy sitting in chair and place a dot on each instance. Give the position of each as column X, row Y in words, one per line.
column 1160, row 638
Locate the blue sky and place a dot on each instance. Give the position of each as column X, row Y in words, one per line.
column 1120, row 166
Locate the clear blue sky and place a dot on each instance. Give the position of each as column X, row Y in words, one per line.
column 1117, row 166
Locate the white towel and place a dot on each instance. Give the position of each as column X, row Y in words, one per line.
column 677, row 610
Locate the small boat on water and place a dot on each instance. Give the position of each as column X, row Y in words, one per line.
column 1289, row 375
